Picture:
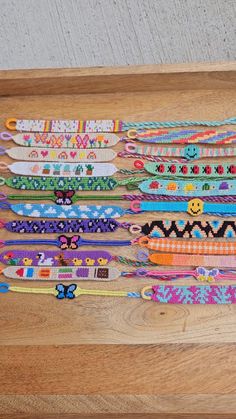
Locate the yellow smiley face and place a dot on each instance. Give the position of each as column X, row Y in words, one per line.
column 195, row 207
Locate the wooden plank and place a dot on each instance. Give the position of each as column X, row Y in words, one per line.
column 118, row 369
column 105, row 321
column 120, row 79
column 167, row 406
column 52, row 363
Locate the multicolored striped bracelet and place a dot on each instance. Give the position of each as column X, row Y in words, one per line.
column 108, row 125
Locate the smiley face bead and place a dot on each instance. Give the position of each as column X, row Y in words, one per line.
column 195, row 207
column 191, row 152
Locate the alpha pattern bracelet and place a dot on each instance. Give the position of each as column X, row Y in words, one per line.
column 165, row 294
column 110, row 125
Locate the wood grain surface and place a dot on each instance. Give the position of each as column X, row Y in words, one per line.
column 56, row 356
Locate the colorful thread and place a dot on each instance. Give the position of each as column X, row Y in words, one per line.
column 110, row 125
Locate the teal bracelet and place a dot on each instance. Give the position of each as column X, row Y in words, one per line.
column 190, row 188
column 189, row 170
column 194, row 207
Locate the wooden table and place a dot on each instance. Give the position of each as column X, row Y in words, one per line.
column 104, row 357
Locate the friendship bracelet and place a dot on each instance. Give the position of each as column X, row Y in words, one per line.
column 66, row 211
column 210, row 136
column 64, row 242
column 169, row 245
column 68, row 197
column 146, row 184
column 187, row 187
column 61, row 169
column 187, row 229
column 178, row 259
column 110, row 125
column 17, row 257
column 157, row 228
column 165, row 294
column 70, row 183
column 186, row 246
column 65, row 226
column 104, row 140
column 192, row 170
column 190, row 152
column 104, row 170
column 85, row 273
column 59, row 155
column 100, row 182
column 64, row 273
column 67, row 141
column 194, row 207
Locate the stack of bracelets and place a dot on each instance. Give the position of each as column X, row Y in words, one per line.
column 173, row 167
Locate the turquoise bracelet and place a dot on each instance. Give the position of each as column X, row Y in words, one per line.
column 194, row 207
column 190, row 188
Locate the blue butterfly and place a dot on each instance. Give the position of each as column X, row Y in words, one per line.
column 66, row 291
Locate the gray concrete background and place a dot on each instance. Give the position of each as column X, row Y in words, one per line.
column 75, row 33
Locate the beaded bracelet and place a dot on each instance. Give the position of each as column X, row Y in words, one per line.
column 171, row 294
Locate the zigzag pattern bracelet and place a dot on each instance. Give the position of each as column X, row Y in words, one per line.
column 187, row 229
column 165, row 294
column 110, row 125
column 158, row 228
column 186, row 136
column 90, row 273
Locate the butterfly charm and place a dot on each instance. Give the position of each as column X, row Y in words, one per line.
column 65, row 291
column 68, row 242
column 204, row 274
column 64, row 197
